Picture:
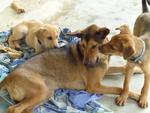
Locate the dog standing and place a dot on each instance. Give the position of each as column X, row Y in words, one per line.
column 137, row 52
column 37, row 35
column 80, row 66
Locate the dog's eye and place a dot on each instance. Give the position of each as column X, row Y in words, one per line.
column 83, row 46
column 112, row 47
column 39, row 42
column 94, row 46
column 49, row 38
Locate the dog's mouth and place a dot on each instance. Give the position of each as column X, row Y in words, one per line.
column 91, row 63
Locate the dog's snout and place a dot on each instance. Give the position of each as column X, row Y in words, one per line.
column 101, row 48
column 55, row 46
column 89, row 63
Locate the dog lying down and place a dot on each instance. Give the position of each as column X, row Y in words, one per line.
column 37, row 35
column 80, row 66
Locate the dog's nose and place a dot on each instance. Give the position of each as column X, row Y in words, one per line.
column 55, row 46
column 89, row 64
column 18, row 49
column 101, row 48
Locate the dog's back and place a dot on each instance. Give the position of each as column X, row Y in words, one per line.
column 142, row 24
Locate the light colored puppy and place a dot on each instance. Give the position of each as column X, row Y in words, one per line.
column 37, row 35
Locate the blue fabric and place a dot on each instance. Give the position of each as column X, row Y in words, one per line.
column 4, row 36
column 69, row 39
column 63, row 101
column 73, row 101
column 4, row 65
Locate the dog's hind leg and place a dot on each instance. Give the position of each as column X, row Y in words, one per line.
column 14, row 40
column 29, row 103
column 143, row 101
column 17, row 34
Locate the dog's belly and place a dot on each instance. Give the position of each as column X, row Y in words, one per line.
column 68, row 77
column 67, row 84
column 58, row 69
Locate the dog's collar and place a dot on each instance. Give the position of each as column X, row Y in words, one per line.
column 139, row 58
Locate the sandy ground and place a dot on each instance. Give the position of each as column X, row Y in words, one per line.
column 45, row 10
column 77, row 14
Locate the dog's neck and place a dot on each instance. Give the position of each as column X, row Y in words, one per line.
column 75, row 51
column 139, row 50
column 79, row 51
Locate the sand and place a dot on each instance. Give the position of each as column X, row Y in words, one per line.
column 35, row 9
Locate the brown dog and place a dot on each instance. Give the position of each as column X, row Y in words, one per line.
column 80, row 66
column 136, row 51
column 37, row 35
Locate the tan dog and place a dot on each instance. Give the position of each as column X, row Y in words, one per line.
column 136, row 51
column 80, row 66
column 37, row 35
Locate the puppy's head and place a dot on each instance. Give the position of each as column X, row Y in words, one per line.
column 91, row 38
column 122, row 45
column 47, row 36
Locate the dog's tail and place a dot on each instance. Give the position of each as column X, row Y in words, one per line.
column 144, row 5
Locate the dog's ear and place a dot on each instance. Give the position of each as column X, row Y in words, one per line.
column 128, row 51
column 39, row 33
column 103, row 32
column 124, row 29
column 77, row 33
column 57, row 29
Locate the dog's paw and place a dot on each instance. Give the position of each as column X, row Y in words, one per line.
column 14, row 109
column 121, row 100
column 143, row 103
column 11, row 109
column 26, row 111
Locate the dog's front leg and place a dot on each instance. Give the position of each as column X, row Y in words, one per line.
column 143, row 102
column 94, row 85
column 17, row 45
column 114, row 69
column 101, row 89
column 122, row 99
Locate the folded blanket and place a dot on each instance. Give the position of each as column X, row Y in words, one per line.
column 63, row 101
